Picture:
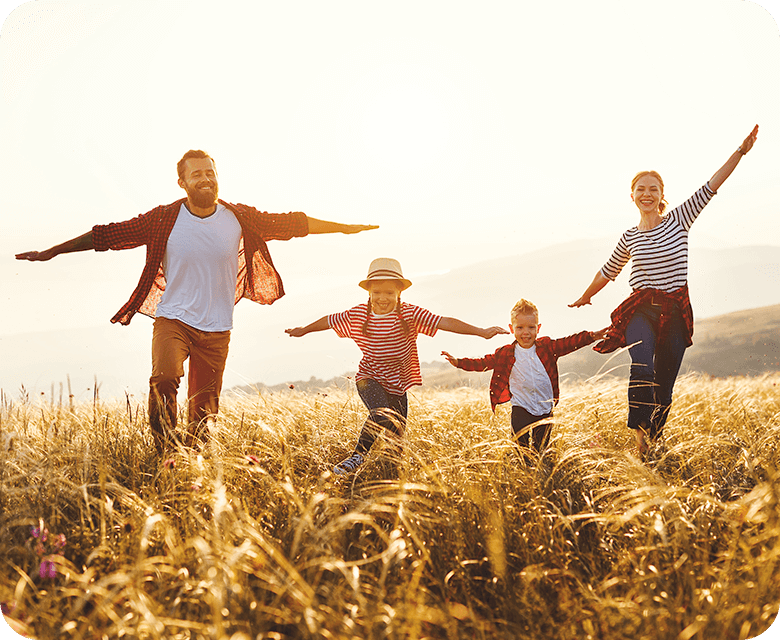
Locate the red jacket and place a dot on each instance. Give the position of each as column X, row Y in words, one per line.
column 257, row 279
column 503, row 359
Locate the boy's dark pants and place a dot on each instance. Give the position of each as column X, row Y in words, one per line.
column 537, row 436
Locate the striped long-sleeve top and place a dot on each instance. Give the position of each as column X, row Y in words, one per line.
column 389, row 351
column 659, row 256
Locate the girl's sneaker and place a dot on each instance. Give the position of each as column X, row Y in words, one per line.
column 349, row 465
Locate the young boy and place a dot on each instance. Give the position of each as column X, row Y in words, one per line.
column 526, row 372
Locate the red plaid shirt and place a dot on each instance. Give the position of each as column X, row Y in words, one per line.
column 503, row 359
column 257, row 279
column 616, row 337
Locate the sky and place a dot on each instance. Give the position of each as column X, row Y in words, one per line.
column 466, row 133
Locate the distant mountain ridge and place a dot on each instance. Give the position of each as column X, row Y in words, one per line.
column 722, row 281
column 742, row 343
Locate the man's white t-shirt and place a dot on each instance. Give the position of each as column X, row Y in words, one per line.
column 529, row 383
column 201, row 266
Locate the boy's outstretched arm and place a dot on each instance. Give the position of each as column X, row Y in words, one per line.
column 450, row 358
column 317, row 325
column 472, row 364
column 82, row 243
column 458, row 326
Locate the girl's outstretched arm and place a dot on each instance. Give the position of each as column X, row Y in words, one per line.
column 458, row 326
column 719, row 177
column 317, row 325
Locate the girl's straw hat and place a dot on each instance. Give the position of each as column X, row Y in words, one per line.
column 385, row 269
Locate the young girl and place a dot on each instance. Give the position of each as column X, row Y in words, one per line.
column 385, row 329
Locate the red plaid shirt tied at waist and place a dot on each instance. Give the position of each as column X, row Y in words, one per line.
column 503, row 359
column 257, row 279
column 625, row 311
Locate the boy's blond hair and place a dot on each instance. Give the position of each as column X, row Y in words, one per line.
column 524, row 308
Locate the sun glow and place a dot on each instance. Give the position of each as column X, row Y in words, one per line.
column 408, row 119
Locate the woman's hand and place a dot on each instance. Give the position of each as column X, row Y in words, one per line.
column 599, row 282
column 581, row 302
column 719, row 177
column 747, row 145
column 601, row 334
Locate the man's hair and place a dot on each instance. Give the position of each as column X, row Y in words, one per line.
column 524, row 308
column 192, row 153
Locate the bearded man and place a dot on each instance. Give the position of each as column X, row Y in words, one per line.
column 202, row 256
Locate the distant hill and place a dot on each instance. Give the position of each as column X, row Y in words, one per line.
column 722, row 281
column 739, row 343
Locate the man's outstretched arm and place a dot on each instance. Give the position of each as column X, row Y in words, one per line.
column 324, row 226
column 82, row 243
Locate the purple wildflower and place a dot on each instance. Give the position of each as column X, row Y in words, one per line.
column 47, row 569
column 60, row 541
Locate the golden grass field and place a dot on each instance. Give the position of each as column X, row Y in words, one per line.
column 253, row 538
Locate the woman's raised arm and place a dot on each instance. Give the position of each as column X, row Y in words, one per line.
column 719, row 177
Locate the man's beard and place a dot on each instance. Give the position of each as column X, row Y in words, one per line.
column 200, row 198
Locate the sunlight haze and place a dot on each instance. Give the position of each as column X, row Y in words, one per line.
column 467, row 134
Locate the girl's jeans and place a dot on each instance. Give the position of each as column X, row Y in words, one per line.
column 654, row 368
column 386, row 411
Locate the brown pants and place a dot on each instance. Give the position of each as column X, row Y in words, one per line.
column 172, row 343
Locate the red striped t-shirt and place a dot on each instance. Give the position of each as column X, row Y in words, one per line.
column 389, row 355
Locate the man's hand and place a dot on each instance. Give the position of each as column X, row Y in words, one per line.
column 82, row 243
column 326, row 226
column 36, row 256
column 357, row 228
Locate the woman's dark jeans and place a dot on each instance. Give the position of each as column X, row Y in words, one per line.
column 386, row 411
column 654, row 367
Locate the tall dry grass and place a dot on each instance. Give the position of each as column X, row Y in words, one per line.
column 253, row 538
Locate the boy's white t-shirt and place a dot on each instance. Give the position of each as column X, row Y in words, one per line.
column 201, row 266
column 529, row 383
